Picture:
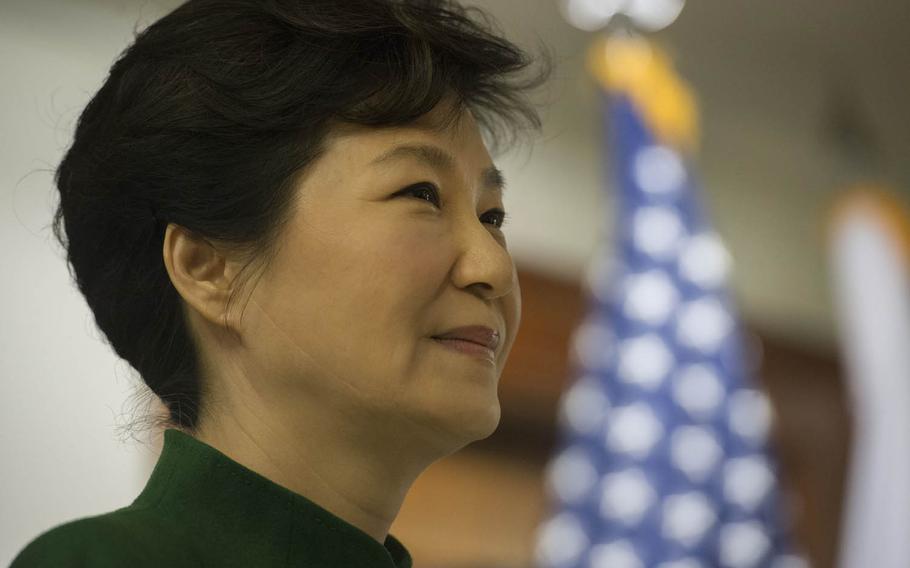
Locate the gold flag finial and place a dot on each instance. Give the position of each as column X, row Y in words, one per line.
column 637, row 68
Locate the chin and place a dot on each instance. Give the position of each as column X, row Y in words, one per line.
column 479, row 424
column 495, row 416
column 455, row 420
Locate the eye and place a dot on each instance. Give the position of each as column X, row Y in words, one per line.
column 428, row 192
column 424, row 189
column 500, row 217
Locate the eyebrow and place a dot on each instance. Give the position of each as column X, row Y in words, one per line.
column 436, row 157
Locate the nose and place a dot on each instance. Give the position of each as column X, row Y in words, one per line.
column 484, row 264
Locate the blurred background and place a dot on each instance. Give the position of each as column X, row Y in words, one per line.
column 798, row 100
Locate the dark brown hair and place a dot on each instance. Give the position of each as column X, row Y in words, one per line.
column 211, row 114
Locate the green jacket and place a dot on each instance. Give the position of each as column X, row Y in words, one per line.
column 202, row 509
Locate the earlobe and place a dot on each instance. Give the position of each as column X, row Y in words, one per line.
column 199, row 271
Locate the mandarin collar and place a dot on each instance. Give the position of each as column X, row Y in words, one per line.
column 221, row 501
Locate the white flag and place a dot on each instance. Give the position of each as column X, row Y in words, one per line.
column 870, row 265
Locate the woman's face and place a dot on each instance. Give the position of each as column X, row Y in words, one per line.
column 370, row 269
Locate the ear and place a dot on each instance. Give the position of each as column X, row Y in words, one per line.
column 202, row 274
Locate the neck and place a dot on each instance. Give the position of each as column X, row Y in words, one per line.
column 358, row 472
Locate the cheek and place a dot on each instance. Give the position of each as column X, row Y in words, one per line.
column 511, row 308
column 388, row 283
column 411, row 266
column 516, row 303
column 387, row 292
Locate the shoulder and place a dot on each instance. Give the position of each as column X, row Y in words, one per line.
column 125, row 537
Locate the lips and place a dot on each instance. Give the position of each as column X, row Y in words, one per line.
column 479, row 334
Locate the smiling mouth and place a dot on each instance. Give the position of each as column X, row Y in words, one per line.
column 468, row 348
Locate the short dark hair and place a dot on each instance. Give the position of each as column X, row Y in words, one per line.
column 207, row 119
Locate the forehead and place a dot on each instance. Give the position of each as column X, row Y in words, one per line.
column 431, row 139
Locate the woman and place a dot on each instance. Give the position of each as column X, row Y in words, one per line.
column 322, row 162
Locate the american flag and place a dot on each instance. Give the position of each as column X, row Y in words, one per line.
column 663, row 459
